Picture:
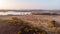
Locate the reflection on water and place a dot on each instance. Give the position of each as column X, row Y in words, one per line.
column 14, row 13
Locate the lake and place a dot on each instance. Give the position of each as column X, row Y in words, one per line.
column 14, row 13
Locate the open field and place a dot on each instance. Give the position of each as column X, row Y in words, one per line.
column 34, row 17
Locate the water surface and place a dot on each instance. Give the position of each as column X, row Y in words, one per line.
column 14, row 13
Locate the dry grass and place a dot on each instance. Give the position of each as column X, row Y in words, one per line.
column 40, row 21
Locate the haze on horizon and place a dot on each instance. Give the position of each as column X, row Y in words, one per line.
column 30, row 4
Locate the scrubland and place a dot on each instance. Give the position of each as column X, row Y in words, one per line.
column 30, row 24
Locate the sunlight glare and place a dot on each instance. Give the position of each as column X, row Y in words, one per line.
column 2, row 2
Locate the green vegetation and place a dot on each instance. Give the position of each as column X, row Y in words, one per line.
column 53, row 22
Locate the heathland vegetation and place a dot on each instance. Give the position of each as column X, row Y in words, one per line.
column 18, row 26
column 15, row 25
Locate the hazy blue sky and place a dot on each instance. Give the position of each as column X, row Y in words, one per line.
column 29, row 4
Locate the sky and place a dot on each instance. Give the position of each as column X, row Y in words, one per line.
column 30, row 4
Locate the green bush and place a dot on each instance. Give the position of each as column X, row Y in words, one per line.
column 53, row 22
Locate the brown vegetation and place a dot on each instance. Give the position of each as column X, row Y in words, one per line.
column 29, row 24
column 38, row 13
column 17, row 26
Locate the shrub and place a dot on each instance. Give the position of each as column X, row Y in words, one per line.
column 18, row 26
column 53, row 22
column 25, row 27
